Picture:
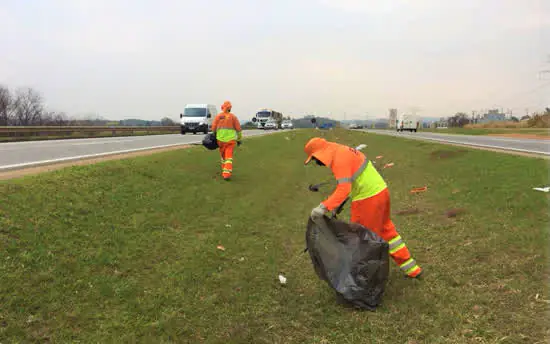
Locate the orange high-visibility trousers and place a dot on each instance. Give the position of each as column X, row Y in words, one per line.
column 374, row 213
column 226, row 152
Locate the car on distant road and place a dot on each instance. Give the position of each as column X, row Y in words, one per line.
column 355, row 126
column 271, row 124
column 287, row 124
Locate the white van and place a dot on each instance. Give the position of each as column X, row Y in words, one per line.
column 197, row 118
column 407, row 122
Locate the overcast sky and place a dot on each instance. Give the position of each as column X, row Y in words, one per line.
column 147, row 59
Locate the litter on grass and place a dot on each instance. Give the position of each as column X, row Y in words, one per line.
column 388, row 165
column 282, row 279
column 417, row 190
column 220, row 247
column 379, row 157
column 545, row 189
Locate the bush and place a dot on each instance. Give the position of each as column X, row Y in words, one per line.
column 539, row 121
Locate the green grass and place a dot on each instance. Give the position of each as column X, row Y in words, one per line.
column 125, row 251
column 487, row 131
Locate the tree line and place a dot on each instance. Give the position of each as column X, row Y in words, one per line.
column 25, row 107
column 461, row 119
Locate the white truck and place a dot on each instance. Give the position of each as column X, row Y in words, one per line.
column 264, row 115
column 197, row 118
column 407, row 122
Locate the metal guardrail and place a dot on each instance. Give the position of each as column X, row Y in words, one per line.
column 22, row 131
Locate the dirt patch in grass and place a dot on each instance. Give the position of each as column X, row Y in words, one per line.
column 455, row 212
column 523, row 136
column 411, row 211
column 447, row 154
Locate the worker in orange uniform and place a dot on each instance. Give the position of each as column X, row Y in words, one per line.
column 370, row 198
column 227, row 128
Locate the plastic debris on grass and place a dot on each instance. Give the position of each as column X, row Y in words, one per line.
column 545, row 189
column 379, row 157
column 220, row 247
column 417, row 190
column 388, row 165
column 282, row 279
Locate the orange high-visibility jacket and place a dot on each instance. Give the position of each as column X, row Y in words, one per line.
column 227, row 127
column 353, row 172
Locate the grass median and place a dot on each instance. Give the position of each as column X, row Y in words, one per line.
column 127, row 251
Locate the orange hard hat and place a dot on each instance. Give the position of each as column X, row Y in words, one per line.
column 320, row 149
column 226, row 105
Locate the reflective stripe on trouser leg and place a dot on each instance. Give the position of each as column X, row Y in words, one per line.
column 396, row 244
column 401, row 255
column 227, row 168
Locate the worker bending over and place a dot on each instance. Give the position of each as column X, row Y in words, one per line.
column 370, row 197
column 227, row 129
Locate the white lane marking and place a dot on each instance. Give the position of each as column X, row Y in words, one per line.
column 473, row 144
column 79, row 157
column 483, row 137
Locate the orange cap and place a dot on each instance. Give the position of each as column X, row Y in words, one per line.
column 226, row 105
column 317, row 147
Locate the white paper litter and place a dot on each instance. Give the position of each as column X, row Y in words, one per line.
column 282, row 279
column 361, row 146
column 546, row 189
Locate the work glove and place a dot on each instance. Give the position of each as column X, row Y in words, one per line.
column 318, row 212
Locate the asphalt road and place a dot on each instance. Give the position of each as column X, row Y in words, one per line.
column 17, row 155
column 533, row 146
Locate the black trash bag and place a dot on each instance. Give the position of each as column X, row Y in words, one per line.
column 353, row 260
column 209, row 141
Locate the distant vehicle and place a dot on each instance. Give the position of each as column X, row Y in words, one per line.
column 264, row 115
column 355, row 126
column 197, row 118
column 287, row 124
column 271, row 124
column 407, row 122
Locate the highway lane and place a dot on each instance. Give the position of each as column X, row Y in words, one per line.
column 18, row 155
column 534, row 146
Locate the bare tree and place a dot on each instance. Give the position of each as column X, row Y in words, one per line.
column 28, row 107
column 5, row 106
column 60, row 118
column 47, row 118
